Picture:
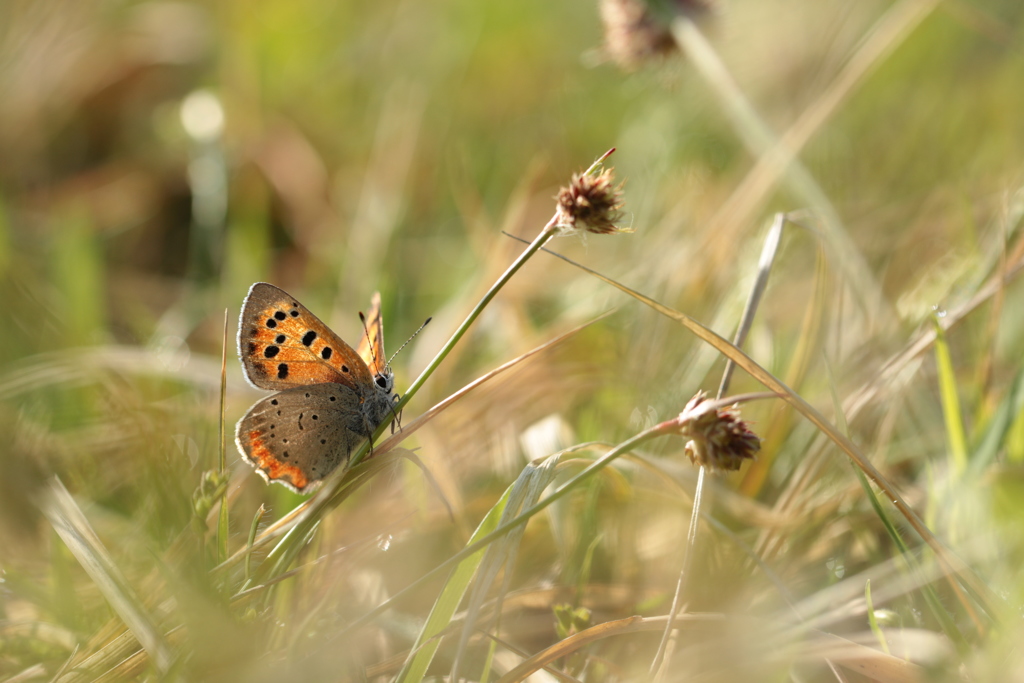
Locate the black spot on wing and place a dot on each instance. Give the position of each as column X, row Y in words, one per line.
column 282, row 371
column 271, row 351
column 326, row 353
column 308, row 338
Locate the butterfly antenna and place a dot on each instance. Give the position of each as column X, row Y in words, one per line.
column 413, row 336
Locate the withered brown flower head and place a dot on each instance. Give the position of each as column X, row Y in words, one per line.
column 634, row 34
column 591, row 203
column 718, row 438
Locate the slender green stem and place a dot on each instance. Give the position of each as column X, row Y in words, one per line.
column 545, row 235
column 656, row 670
column 768, row 253
column 222, row 516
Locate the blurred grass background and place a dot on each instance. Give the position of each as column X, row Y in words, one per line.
column 156, row 158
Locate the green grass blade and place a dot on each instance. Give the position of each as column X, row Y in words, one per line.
column 253, row 528
column 525, row 493
column 872, row 620
column 998, row 428
column 222, row 519
column 451, row 596
column 950, row 402
column 941, row 614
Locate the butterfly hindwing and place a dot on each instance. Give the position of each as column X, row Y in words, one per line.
column 282, row 345
column 298, row 436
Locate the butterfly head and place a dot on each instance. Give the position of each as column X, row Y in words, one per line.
column 385, row 380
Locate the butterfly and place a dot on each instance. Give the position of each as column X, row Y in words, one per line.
column 329, row 399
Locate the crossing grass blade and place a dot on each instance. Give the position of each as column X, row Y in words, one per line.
column 446, row 604
column 72, row 526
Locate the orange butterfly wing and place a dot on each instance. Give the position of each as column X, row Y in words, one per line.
column 282, row 345
column 371, row 346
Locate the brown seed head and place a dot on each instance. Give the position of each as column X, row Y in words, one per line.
column 634, row 35
column 590, row 202
column 718, row 438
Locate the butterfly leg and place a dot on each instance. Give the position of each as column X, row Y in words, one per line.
column 398, row 415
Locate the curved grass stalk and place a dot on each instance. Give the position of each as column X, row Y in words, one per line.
column 870, row 661
column 768, row 253
column 955, row 568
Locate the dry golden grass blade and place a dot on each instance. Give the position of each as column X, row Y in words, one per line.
column 873, row 663
column 117, row 650
column 74, row 529
column 70, row 368
column 131, row 666
column 887, row 34
column 780, row 422
column 818, row 647
column 131, row 663
column 493, row 258
column 576, row 641
column 435, row 410
column 32, row 673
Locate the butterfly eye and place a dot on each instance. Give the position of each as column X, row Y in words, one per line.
column 382, row 382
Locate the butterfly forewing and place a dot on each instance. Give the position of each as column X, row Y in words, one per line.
column 282, row 345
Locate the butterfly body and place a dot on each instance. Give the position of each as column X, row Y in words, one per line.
column 330, row 397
